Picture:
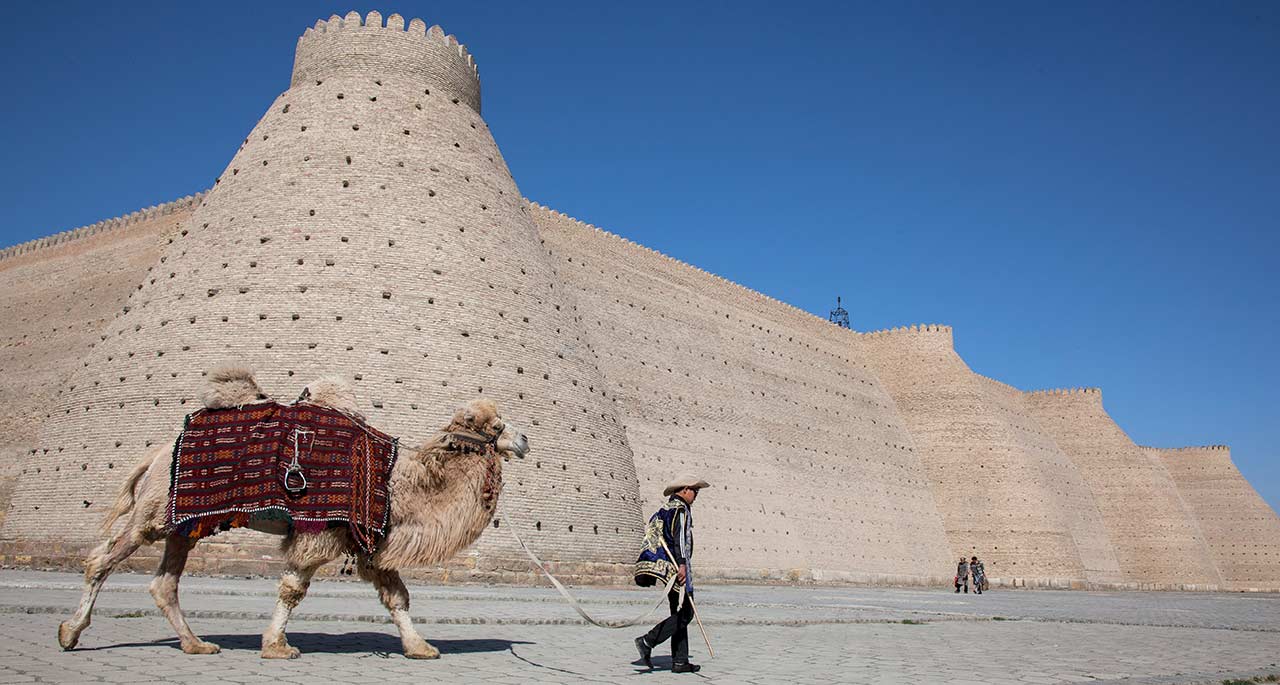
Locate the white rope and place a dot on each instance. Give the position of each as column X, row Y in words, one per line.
column 574, row 603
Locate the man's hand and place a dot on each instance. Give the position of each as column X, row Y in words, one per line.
column 680, row 575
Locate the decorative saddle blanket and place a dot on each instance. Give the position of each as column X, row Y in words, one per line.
column 311, row 466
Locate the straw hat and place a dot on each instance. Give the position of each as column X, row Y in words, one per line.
column 683, row 481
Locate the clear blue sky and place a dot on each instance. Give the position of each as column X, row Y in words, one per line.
column 1088, row 192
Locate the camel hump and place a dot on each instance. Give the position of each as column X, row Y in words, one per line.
column 230, row 385
column 227, row 373
column 332, row 392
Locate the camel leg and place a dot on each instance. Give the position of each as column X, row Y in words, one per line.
column 293, row 587
column 164, row 589
column 101, row 562
column 395, row 597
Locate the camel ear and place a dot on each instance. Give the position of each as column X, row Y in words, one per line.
column 463, row 416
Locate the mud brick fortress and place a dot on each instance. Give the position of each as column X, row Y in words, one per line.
column 369, row 227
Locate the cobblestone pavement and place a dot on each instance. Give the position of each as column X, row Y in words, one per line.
column 761, row 635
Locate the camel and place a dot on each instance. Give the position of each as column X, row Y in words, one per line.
column 443, row 495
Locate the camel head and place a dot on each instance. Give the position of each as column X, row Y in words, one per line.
column 479, row 421
column 445, row 493
column 231, row 385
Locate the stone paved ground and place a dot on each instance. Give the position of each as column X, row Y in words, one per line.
column 761, row 634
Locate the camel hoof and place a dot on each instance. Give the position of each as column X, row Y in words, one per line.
column 421, row 651
column 200, row 647
column 67, row 637
column 281, row 652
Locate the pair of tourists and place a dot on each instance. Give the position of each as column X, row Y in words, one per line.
column 668, row 552
column 971, row 567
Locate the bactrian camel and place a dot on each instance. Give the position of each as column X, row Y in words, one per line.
column 443, row 495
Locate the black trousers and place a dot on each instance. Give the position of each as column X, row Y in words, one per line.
column 675, row 627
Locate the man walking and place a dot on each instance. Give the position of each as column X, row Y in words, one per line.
column 962, row 575
column 979, row 573
column 668, row 550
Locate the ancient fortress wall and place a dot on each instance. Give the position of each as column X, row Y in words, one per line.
column 56, row 293
column 1243, row 533
column 1064, row 481
column 1157, row 540
column 992, row 476
column 815, row 474
column 367, row 227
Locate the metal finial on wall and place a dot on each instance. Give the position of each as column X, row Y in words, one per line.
column 839, row 316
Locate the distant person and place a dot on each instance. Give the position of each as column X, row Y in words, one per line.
column 979, row 575
column 962, row 575
column 668, row 551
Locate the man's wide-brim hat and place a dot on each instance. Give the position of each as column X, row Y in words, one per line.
column 685, row 480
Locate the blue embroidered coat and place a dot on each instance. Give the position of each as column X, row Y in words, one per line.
column 672, row 525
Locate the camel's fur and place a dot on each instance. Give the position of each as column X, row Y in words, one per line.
column 231, row 385
column 438, row 508
column 331, row 391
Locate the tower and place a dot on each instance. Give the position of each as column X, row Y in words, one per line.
column 367, row 227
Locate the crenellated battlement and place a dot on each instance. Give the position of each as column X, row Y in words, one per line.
column 914, row 329
column 103, row 226
column 752, row 294
column 355, row 47
column 1088, row 393
column 928, row 338
column 997, row 383
column 1189, row 448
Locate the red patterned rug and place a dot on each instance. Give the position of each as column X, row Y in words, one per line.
column 309, row 465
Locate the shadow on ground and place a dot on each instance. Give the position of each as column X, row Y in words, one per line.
column 379, row 644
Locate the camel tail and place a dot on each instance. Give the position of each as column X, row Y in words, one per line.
column 125, row 499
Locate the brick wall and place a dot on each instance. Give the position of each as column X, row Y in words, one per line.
column 814, row 473
column 1157, row 540
column 1068, row 487
column 995, row 476
column 56, row 294
column 1243, row 533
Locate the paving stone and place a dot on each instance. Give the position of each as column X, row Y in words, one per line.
column 845, row 637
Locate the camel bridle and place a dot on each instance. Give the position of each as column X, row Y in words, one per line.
column 474, row 440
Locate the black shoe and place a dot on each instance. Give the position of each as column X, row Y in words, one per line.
column 685, row 668
column 645, row 650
